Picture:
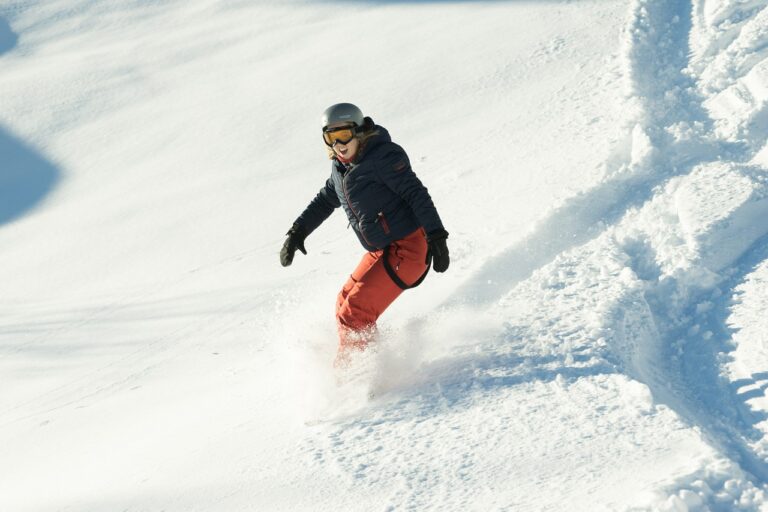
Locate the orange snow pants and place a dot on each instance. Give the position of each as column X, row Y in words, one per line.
column 370, row 290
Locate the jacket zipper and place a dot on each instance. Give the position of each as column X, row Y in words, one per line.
column 349, row 203
column 383, row 221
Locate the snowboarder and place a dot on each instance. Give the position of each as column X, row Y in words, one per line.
column 389, row 210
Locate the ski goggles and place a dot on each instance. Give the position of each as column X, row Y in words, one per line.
column 342, row 135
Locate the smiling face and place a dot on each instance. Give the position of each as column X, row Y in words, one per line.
column 346, row 151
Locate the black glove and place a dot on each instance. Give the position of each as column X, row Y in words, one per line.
column 295, row 240
column 439, row 250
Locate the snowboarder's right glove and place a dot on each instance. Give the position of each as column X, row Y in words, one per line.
column 439, row 250
column 295, row 240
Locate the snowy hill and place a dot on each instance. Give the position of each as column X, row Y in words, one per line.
column 599, row 342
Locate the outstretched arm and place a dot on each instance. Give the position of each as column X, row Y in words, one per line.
column 319, row 209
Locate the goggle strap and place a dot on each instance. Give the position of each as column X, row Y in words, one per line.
column 356, row 129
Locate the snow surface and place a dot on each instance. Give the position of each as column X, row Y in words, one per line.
column 599, row 342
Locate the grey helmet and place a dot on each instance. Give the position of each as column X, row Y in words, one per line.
column 343, row 113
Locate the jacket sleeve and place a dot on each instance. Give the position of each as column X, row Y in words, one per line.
column 320, row 208
column 396, row 173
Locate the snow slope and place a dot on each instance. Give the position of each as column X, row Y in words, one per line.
column 597, row 344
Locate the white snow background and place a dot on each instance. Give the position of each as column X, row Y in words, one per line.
column 598, row 343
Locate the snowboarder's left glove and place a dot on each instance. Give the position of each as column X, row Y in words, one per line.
column 438, row 249
column 295, row 240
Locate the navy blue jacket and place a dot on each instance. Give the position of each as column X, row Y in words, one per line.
column 383, row 198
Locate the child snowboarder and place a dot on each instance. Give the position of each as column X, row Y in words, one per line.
column 389, row 210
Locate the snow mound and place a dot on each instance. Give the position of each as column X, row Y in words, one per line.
column 727, row 40
column 730, row 47
column 741, row 110
column 722, row 208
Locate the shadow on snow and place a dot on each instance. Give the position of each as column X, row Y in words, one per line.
column 8, row 38
column 26, row 178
